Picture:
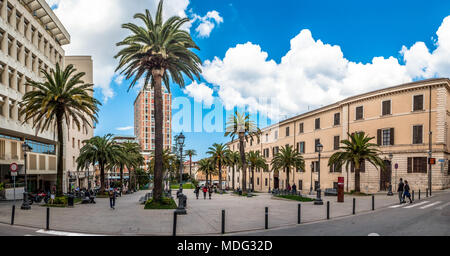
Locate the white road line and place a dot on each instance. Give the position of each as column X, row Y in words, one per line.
column 396, row 206
column 414, row 205
column 442, row 206
column 61, row 233
column 429, row 205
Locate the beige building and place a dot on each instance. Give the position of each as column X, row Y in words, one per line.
column 31, row 38
column 397, row 117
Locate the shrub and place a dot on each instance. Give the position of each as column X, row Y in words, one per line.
column 296, row 198
column 163, row 203
column 2, row 186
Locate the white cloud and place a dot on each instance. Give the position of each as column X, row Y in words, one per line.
column 200, row 93
column 207, row 23
column 126, row 128
column 313, row 73
column 95, row 28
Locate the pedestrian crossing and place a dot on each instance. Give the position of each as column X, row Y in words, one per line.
column 422, row 205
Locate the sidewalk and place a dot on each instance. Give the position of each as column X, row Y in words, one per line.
column 204, row 216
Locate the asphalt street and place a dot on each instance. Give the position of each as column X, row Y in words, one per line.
column 427, row 217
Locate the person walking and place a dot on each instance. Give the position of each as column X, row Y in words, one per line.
column 204, row 192
column 406, row 193
column 400, row 189
column 112, row 198
column 210, row 191
column 294, row 189
column 197, row 190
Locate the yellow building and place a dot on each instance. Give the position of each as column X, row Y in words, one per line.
column 397, row 117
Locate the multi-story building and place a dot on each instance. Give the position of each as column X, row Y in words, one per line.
column 403, row 120
column 144, row 122
column 31, row 39
column 76, row 136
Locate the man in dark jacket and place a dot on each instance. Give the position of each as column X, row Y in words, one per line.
column 400, row 189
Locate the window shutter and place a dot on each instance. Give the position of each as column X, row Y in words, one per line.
column 409, row 170
column 379, row 137
column 362, row 167
column 392, row 136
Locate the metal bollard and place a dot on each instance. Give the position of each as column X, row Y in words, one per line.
column 419, row 194
column 47, row 227
column 174, row 233
column 299, row 213
column 12, row 214
column 354, row 206
column 373, row 202
column 328, row 210
column 267, row 218
column 223, row 221
column 413, row 195
column 430, row 191
column 427, row 192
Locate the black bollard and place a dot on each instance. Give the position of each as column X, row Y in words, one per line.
column 413, row 195
column 373, row 202
column 419, row 194
column 267, row 218
column 12, row 214
column 47, row 227
column 174, row 233
column 354, row 206
column 299, row 214
column 328, row 210
column 223, row 221
column 427, row 192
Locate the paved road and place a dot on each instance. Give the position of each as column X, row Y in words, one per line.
column 428, row 217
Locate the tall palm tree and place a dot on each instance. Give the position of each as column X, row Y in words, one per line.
column 255, row 161
column 286, row 159
column 101, row 150
column 190, row 153
column 157, row 52
column 241, row 126
column 207, row 166
column 233, row 161
column 357, row 149
column 219, row 154
column 63, row 96
column 133, row 160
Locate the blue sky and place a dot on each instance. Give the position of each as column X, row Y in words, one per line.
column 362, row 30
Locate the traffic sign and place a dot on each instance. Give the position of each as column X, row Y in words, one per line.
column 13, row 168
column 431, row 160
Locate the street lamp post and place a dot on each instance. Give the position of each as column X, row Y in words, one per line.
column 311, row 187
column 429, row 168
column 318, row 200
column 390, row 183
column 181, row 198
column 25, row 205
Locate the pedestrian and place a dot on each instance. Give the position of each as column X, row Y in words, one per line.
column 197, row 190
column 210, row 191
column 204, row 192
column 294, row 189
column 112, row 198
column 406, row 193
column 400, row 189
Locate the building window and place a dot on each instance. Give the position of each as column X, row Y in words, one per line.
column 275, row 150
column 333, row 168
column 257, row 181
column 301, row 147
column 418, row 103
column 301, row 128
column 287, row 131
column 386, row 108
column 276, row 135
column 336, row 142
column 316, row 142
column 337, row 118
column 417, row 165
column 73, row 142
column 317, row 123
column 266, row 181
column 359, row 113
column 267, row 137
column 386, row 137
column 417, row 134
column 300, row 185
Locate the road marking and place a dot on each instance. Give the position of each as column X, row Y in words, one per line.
column 396, row 206
column 414, row 205
column 442, row 206
column 61, row 233
column 429, row 205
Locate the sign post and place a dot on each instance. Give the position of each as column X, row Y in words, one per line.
column 14, row 168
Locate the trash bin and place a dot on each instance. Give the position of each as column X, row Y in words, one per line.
column 70, row 200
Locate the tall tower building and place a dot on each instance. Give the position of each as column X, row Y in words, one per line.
column 144, row 122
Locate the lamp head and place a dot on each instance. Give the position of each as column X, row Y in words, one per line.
column 319, row 147
column 26, row 147
column 180, row 139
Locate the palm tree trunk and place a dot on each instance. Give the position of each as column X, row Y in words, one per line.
column 287, row 176
column 190, row 167
column 244, row 164
column 220, row 174
column 253, row 178
column 207, row 181
column 102, row 177
column 121, row 176
column 157, row 189
column 233, row 176
column 60, row 168
column 357, row 180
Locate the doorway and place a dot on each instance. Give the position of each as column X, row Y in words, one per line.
column 385, row 176
column 276, row 183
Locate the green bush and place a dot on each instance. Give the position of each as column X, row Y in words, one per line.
column 163, row 203
column 2, row 186
column 185, row 186
column 61, row 200
column 296, row 198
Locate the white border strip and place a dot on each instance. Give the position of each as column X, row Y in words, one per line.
column 61, row 233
